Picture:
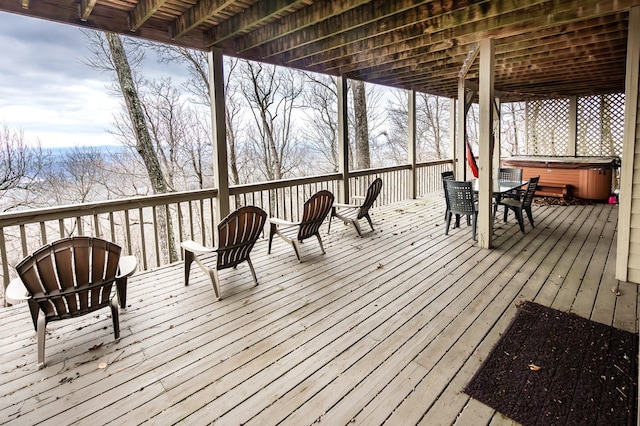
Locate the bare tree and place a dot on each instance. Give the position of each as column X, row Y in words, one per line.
column 361, row 123
column 432, row 126
column 20, row 166
column 198, row 86
column 109, row 54
column 513, row 128
column 272, row 95
column 321, row 123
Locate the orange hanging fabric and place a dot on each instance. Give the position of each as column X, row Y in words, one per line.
column 472, row 160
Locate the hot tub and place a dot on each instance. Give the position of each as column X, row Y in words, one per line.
column 580, row 177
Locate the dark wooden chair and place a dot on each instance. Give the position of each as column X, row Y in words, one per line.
column 351, row 213
column 522, row 204
column 461, row 202
column 237, row 234
column 72, row 277
column 315, row 212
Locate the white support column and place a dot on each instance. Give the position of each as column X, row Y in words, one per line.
column 411, row 149
column 343, row 141
column 486, row 103
column 460, row 167
column 220, row 165
column 497, row 140
column 630, row 153
column 573, row 126
column 453, row 153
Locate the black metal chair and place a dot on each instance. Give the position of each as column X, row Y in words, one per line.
column 461, row 203
column 447, row 175
column 508, row 175
column 523, row 204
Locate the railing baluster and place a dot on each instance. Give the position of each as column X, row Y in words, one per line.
column 96, row 226
column 154, row 222
column 43, row 233
column 143, row 244
column 23, row 241
column 5, row 262
column 128, row 232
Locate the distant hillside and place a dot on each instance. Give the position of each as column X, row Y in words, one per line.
column 104, row 149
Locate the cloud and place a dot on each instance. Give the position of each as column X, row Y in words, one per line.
column 47, row 91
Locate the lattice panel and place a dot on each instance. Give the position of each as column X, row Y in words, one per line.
column 548, row 127
column 600, row 124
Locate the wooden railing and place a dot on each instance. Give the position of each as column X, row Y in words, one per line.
column 152, row 227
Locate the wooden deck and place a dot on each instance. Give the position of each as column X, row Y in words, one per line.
column 382, row 329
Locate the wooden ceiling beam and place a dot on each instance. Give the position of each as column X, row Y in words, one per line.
column 298, row 21
column 86, row 7
column 143, row 10
column 507, row 58
column 196, row 15
column 384, row 59
column 378, row 17
column 256, row 15
column 414, row 25
column 507, row 25
column 543, row 78
column 564, row 69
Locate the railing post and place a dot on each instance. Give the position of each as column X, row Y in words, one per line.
column 343, row 141
column 412, row 188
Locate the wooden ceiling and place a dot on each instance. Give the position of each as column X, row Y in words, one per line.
column 543, row 47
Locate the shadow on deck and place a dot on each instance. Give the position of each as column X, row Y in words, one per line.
column 389, row 327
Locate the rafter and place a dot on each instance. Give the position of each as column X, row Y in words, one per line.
column 301, row 20
column 143, row 11
column 508, row 54
column 197, row 15
column 515, row 24
column 86, row 7
column 258, row 14
column 375, row 18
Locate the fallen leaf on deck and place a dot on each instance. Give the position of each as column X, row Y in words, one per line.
column 379, row 265
column 534, row 367
column 94, row 347
column 102, row 365
column 615, row 291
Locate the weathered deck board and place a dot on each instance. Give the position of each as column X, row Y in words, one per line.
column 385, row 328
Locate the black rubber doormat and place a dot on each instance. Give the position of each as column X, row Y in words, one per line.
column 554, row 368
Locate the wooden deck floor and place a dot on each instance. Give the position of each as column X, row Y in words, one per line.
column 382, row 329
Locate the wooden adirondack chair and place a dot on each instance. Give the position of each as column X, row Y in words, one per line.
column 237, row 234
column 72, row 277
column 351, row 213
column 315, row 212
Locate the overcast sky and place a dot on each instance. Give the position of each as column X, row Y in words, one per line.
column 47, row 91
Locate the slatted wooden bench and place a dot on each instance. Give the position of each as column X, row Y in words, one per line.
column 553, row 190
